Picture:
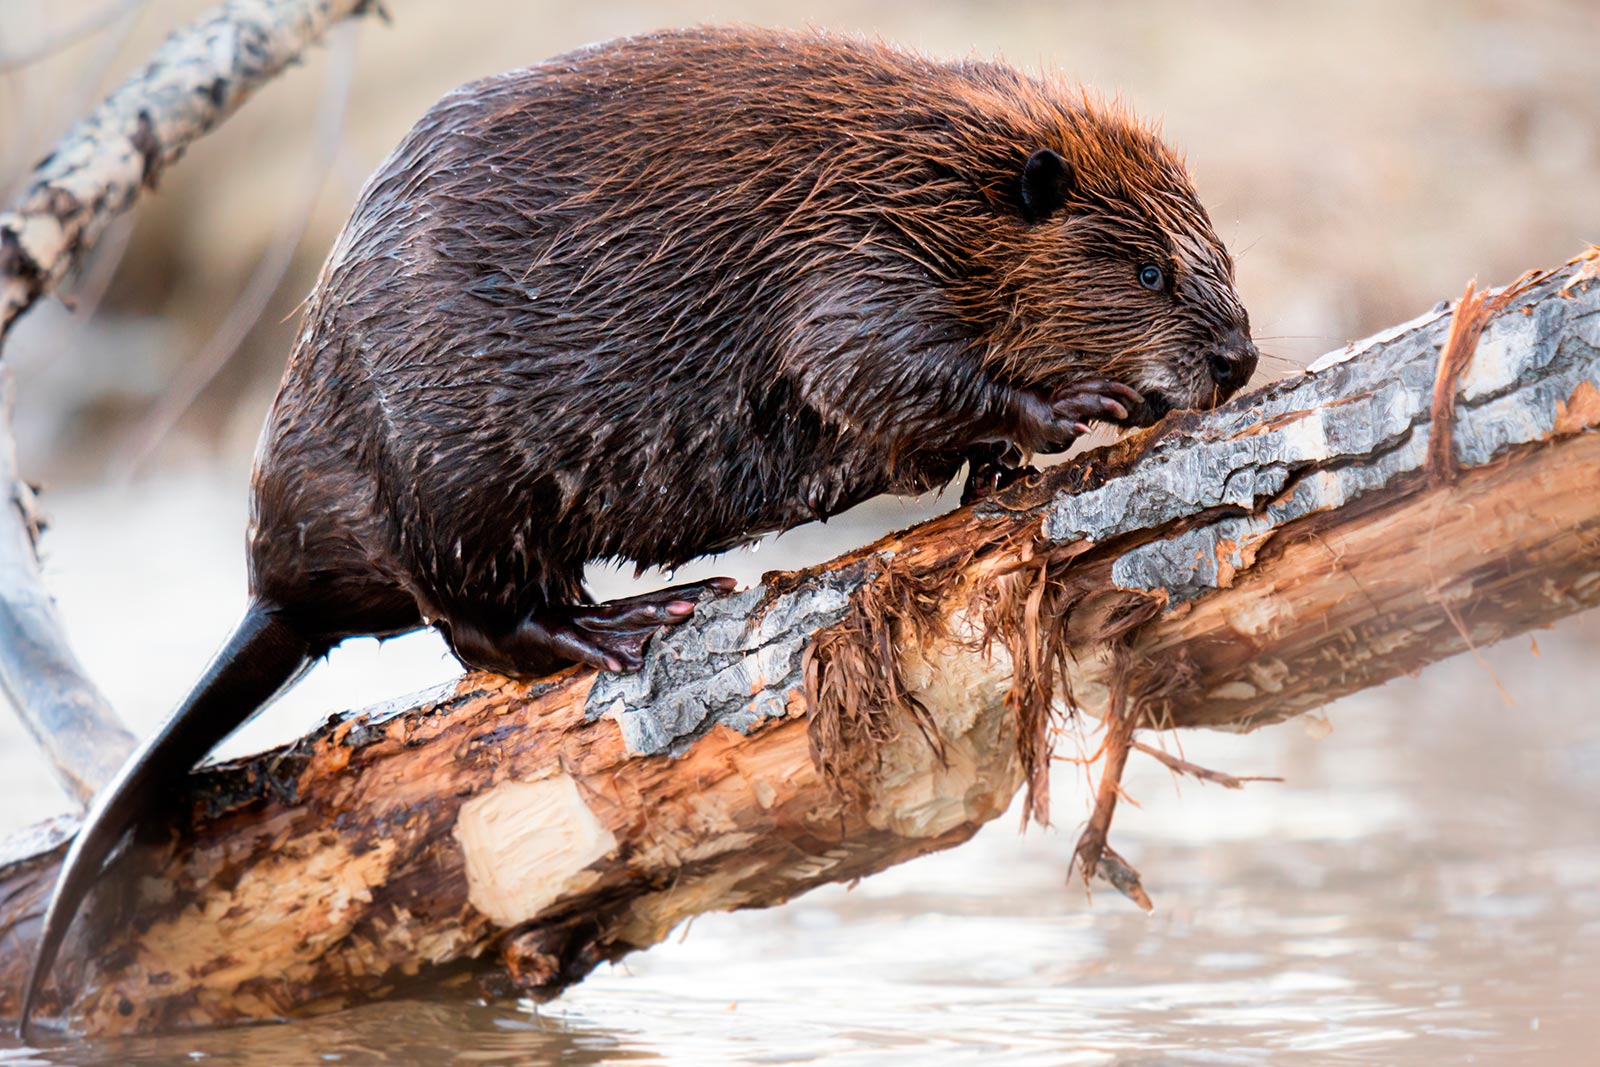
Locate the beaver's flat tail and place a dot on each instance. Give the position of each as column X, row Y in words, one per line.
column 264, row 655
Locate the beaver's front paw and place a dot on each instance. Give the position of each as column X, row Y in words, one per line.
column 1052, row 425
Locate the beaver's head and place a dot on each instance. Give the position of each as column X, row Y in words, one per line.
column 1106, row 265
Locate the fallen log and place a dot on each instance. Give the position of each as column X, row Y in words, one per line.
column 1228, row 569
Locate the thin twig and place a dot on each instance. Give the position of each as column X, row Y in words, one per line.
column 1472, row 647
column 94, row 282
column 1182, row 766
column 1091, row 846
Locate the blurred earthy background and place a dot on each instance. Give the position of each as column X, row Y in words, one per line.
column 1424, row 886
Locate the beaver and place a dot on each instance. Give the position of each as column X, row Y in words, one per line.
column 655, row 298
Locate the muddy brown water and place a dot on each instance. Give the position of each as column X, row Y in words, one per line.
column 1423, row 889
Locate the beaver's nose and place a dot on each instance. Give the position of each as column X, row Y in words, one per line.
column 1233, row 360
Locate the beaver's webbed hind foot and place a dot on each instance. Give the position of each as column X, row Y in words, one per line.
column 608, row 636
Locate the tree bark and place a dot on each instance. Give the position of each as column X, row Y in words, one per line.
column 1227, row 569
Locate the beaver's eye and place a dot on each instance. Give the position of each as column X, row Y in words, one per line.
column 1150, row 277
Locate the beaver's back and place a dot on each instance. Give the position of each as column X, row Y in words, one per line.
column 654, row 298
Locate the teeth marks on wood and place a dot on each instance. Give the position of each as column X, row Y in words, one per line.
column 1341, row 599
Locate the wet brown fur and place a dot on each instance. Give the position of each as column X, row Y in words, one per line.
column 655, row 298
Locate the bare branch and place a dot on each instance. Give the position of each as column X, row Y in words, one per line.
column 71, row 720
column 1178, row 765
column 200, row 76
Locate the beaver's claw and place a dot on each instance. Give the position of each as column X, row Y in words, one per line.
column 610, row 637
column 1053, row 425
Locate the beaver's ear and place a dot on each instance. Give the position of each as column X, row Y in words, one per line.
column 1045, row 184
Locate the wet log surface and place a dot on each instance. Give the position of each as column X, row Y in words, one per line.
column 1229, row 569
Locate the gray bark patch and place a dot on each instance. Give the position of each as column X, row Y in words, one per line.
column 1325, row 439
column 734, row 664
